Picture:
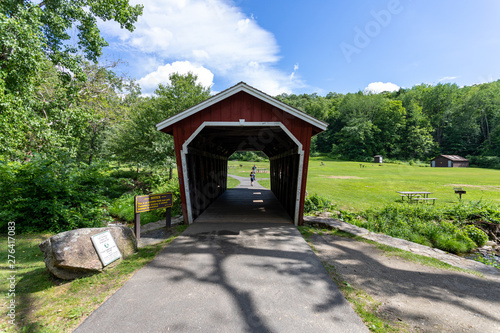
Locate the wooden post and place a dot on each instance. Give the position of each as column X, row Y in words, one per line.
column 137, row 222
column 168, row 218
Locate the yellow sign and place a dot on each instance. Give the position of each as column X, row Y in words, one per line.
column 145, row 203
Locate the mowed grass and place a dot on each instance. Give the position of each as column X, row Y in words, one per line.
column 355, row 188
column 243, row 169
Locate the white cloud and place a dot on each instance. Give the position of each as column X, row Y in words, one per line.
column 447, row 78
column 378, row 87
column 214, row 34
column 150, row 82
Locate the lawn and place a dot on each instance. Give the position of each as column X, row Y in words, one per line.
column 353, row 187
column 243, row 169
column 356, row 186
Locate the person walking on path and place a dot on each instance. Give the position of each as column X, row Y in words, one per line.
column 252, row 178
column 254, row 168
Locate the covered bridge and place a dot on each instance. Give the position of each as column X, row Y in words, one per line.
column 241, row 118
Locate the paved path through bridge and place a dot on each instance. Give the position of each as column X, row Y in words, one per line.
column 229, row 277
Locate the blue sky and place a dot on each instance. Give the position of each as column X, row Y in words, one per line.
column 311, row 46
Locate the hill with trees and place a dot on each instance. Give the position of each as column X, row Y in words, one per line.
column 414, row 123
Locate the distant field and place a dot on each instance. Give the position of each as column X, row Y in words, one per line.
column 357, row 188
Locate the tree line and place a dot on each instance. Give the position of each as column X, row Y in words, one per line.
column 415, row 123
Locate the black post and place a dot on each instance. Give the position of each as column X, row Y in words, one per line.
column 168, row 217
column 137, row 220
column 137, row 225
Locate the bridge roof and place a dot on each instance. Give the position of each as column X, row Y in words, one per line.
column 318, row 125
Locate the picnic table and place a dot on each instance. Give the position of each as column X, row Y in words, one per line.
column 412, row 195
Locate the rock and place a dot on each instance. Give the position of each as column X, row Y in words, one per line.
column 491, row 243
column 325, row 214
column 71, row 254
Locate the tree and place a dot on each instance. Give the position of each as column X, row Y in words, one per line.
column 136, row 139
column 107, row 99
column 33, row 30
column 437, row 105
column 34, row 39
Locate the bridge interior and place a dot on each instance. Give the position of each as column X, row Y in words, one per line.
column 245, row 204
column 206, row 162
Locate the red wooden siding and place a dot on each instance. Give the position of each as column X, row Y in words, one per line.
column 242, row 105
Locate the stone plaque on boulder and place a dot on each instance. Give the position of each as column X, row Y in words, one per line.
column 71, row 254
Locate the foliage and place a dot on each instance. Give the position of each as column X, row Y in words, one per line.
column 315, row 203
column 52, row 193
column 445, row 228
column 490, row 162
column 249, row 156
column 136, row 140
column 41, row 73
column 123, row 207
column 415, row 123
column 34, row 30
column 454, row 228
column 477, row 235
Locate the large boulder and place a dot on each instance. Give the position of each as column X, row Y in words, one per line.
column 71, row 254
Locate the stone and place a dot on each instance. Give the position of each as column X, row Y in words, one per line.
column 325, row 214
column 71, row 254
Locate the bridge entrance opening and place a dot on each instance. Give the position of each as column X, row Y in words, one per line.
column 241, row 118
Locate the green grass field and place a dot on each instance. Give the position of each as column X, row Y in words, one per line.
column 356, row 188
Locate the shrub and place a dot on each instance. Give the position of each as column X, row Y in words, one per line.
column 52, row 194
column 253, row 156
column 425, row 224
column 123, row 207
column 491, row 162
column 315, row 203
column 477, row 235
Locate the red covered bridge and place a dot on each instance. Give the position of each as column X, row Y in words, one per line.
column 241, row 118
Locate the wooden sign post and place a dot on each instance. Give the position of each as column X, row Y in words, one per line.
column 145, row 203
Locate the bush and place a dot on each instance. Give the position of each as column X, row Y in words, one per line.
column 490, row 162
column 424, row 224
column 52, row 194
column 252, row 156
column 123, row 207
column 315, row 203
column 477, row 235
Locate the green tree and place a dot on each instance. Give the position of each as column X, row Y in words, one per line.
column 417, row 141
column 34, row 40
column 136, row 140
column 437, row 105
column 107, row 99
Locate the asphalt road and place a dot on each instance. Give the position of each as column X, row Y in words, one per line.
column 228, row 277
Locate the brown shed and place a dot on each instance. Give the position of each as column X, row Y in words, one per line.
column 450, row 161
column 241, row 118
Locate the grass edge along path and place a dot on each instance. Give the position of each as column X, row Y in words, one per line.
column 362, row 303
column 46, row 304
